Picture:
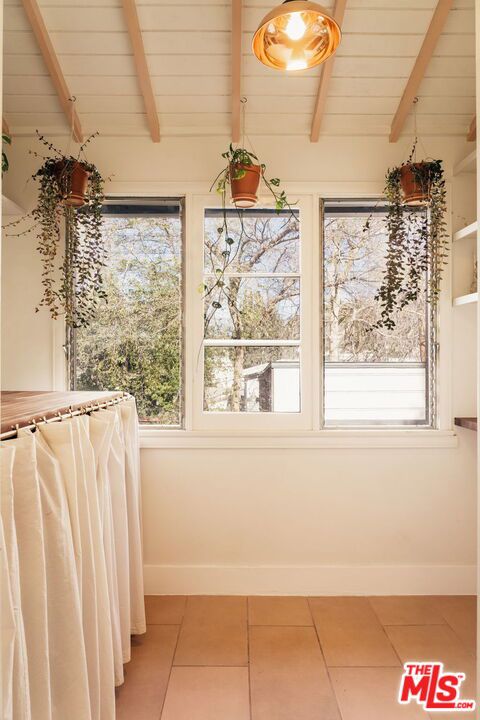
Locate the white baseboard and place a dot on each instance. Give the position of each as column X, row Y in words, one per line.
column 310, row 580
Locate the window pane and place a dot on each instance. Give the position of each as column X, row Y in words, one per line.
column 364, row 392
column 252, row 379
column 135, row 343
column 252, row 299
column 372, row 375
column 254, row 308
column 263, row 241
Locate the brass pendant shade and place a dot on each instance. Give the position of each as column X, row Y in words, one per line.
column 296, row 35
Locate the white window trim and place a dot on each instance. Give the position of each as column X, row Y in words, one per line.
column 371, row 437
column 217, row 421
column 383, row 424
column 151, row 438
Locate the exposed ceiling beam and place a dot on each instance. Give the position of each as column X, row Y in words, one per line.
column 143, row 75
column 51, row 61
column 322, row 93
column 472, row 130
column 236, row 67
column 421, row 63
column 5, row 128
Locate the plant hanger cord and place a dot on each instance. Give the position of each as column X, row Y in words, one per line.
column 244, row 104
column 415, row 133
column 244, row 101
column 417, row 139
column 81, row 151
column 73, row 100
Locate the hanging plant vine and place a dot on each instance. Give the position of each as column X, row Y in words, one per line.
column 240, row 162
column 8, row 141
column 72, row 284
column 417, row 243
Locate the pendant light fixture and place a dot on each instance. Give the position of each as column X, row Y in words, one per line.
column 296, row 35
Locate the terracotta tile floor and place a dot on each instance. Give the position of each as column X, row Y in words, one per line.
column 279, row 658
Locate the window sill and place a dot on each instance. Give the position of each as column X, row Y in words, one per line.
column 313, row 440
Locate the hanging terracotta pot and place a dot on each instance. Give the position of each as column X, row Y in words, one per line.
column 244, row 189
column 415, row 191
column 73, row 180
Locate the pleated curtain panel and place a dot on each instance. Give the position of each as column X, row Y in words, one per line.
column 71, row 565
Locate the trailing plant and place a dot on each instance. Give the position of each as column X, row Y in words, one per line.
column 72, row 283
column 8, row 141
column 240, row 162
column 417, row 244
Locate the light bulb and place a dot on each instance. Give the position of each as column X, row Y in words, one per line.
column 295, row 28
column 297, row 64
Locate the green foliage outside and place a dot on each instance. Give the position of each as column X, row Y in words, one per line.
column 134, row 343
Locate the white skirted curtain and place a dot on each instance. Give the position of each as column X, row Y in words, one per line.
column 70, row 565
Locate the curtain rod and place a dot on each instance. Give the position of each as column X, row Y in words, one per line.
column 85, row 409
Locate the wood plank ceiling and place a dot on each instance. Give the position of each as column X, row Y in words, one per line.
column 196, row 79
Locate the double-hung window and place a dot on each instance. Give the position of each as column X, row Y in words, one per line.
column 252, row 347
column 135, row 344
column 273, row 328
column 372, row 375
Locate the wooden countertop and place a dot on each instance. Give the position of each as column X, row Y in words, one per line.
column 21, row 407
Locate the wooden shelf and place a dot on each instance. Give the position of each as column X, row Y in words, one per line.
column 467, row 422
column 466, row 299
column 467, row 164
column 465, row 232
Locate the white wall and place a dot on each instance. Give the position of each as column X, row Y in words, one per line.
column 28, row 351
column 264, row 520
column 297, row 521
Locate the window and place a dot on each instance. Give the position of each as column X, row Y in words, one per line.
column 252, row 312
column 278, row 323
column 135, row 343
column 371, row 376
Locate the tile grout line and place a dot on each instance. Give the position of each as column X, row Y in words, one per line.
column 461, row 641
column 468, row 650
column 445, row 624
column 327, row 669
column 370, row 605
column 193, row 667
column 398, row 625
column 419, row 624
column 173, row 658
column 279, row 625
column 216, row 665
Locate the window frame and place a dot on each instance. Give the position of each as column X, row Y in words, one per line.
column 70, row 333
column 431, row 320
column 315, row 436
column 211, row 420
